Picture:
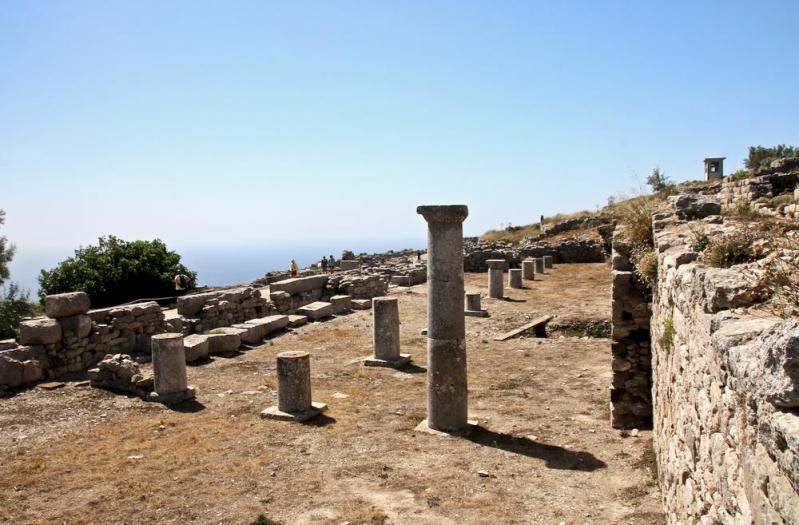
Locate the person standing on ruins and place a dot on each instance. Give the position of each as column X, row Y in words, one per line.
column 332, row 264
column 324, row 264
column 293, row 268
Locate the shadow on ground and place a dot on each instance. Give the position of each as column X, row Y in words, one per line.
column 555, row 457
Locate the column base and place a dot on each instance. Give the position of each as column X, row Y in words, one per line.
column 403, row 360
column 424, row 427
column 274, row 413
column 476, row 313
column 173, row 398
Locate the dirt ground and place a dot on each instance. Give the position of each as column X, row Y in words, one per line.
column 544, row 453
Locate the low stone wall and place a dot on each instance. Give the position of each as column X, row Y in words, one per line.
column 573, row 250
column 725, row 391
column 72, row 338
column 631, row 365
column 576, row 250
column 209, row 310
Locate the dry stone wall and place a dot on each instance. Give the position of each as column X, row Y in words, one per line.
column 75, row 338
column 631, row 365
column 209, row 310
column 725, row 390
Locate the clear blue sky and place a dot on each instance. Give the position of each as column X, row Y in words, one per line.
column 211, row 123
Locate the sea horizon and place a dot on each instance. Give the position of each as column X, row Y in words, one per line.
column 218, row 265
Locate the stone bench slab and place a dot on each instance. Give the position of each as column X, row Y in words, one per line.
column 316, row 310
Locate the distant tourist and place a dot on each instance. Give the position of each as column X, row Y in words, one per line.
column 182, row 282
column 418, row 255
column 293, row 268
column 332, row 264
column 324, row 264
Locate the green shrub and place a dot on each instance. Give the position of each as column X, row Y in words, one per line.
column 740, row 175
column 14, row 306
column 742, row 210
column 667, row 338
column 658, row 181
column 782, row 200
column 116, row 271
column 760, row 157
column 645, row 261
column 699, row 240
column 731, row 249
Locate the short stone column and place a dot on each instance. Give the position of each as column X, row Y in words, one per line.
column 294, row 389
column 539, row 265
column 473, row 307
column 169, row 369
column 386, row 334
column 495, row 284
column 447, row 397
column 528, row 269
column 549, row 261
column 515, row 278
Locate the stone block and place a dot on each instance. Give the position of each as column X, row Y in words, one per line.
column 193, row 304
column 197, row 347
column 7, row 344
column 299, row 284
column 11, row 372
column 317, row 310
column 224, row 340
column 66, row 304
column 79, row 325
column 40, row 331
column 361, row 304
column 349, row 265
column 251, row 334
column 401, row 280
column 297, row 320
column 341, row 303
column 270, row 323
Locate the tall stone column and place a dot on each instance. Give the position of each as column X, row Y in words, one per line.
column 447, row 402
column 169, row 369
column 294, row 389
column 386, row 334
column 495, row 285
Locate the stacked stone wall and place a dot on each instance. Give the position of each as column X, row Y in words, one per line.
column 631, row 364
column 725, row 390
column 209, row 310
column 73, row 338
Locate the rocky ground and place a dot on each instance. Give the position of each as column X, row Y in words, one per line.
column 545, row 452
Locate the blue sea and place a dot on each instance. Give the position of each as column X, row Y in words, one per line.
column 219, row 265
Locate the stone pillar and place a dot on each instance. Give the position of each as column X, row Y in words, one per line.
column 447, row 401
column 294, row 388
column 539, row 265
column 169, row 369
column 495, row 284
column 528, row 269
column 549, row 261
column 386, row 334
column 473, row 307
column 515, row 278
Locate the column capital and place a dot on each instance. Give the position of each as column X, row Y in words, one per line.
column 443, row 213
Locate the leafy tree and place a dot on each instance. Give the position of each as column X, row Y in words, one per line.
column 658, row 181
column 760, row 157
column 117, row 271
column 14, row 305
column 6, row 251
